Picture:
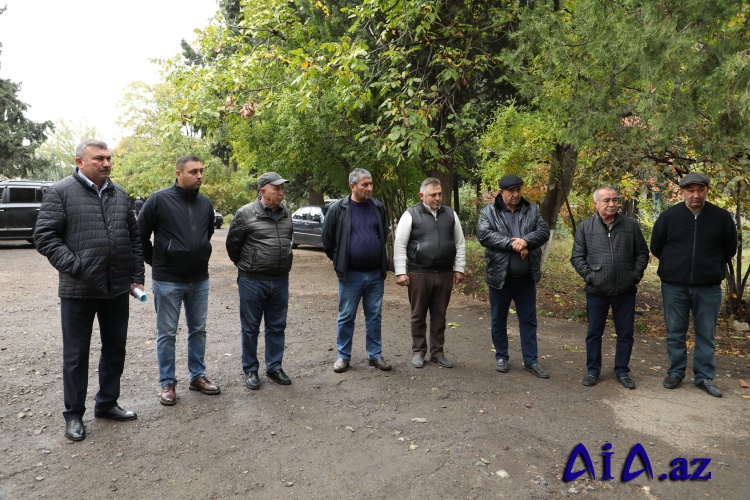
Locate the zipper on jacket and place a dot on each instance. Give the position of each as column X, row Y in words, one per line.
column 692, row 255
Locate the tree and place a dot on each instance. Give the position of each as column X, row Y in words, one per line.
column 59, row 149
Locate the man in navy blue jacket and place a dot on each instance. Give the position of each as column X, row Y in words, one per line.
column 181, row 220
column 693, row 242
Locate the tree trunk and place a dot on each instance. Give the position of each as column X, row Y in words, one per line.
column 316, row 198
column 445, row 176
column 565, row 160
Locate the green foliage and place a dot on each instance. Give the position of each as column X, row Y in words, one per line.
column 59, row 149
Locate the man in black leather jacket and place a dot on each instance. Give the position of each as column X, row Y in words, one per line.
column 513, row 232
column 610, row 254
column 88, row 232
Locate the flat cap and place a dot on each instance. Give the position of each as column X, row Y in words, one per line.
column 694, row 178
column 270, row 178
column 510, row 181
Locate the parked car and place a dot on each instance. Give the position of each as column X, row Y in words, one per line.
column 218, row 219
column 308, row 225
column 20, row 201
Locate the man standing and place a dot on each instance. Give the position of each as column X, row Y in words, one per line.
column 88, row 232
column 610, row 254
column 513, row 232
column 354, row 235
column 693, row 241
column 259, row 242
column 430, row 237
column 181, row 220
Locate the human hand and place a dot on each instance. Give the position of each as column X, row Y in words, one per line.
column 402, row 279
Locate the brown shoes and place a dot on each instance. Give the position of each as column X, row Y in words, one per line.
column 167, row 396
column 204, row 385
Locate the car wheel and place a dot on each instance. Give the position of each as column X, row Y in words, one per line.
column 217, row 225
column 294, row 243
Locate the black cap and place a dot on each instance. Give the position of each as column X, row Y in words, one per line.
column 270, row 178
column 510, row 181
column 694, row 178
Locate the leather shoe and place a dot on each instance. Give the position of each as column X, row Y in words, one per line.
column 380, row 364
column 74, row 429
column 252, row 381
column 116, row 413
column 708, row 386
column 340, row 365
column 202, row 384
column 279, row 377
column 589, row 380
column 442, row 361
column 167, row 396
column 536, row 369
column 671, row 381
column 501, row 365
column 417, row 361
column 626, row 382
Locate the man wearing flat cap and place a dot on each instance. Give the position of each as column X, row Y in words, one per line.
column 259, row 242
column 513, row 232
column 693, row 241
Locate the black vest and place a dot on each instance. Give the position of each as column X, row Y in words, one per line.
column 431, row 244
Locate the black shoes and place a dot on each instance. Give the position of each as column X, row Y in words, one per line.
column 501, row 365
column 589, row 380
column 442, row 361
column 417, row 361
column 380, row 364
column 626, row 382
column 252, row 381
column 536, row 369
column 116, row 413
column 672, row 381
column 279, row 377
column 708, row 386
column 74, row 429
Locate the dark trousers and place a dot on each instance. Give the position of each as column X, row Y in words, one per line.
column 77, row 325
column 522, row 291
column 429, row 292
column 623, row 314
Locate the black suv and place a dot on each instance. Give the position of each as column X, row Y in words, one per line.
column 19, row 207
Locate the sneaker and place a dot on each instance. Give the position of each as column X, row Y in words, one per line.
column 340, row 365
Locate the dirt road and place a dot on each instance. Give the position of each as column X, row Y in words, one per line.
column 466, row 432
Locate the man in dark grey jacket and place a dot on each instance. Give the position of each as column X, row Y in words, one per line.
column 182, row 222
column 513, row 232
column 610, row 254
column 88, row 232
column 259, row 242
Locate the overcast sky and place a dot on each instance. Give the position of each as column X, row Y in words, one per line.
column 73, row 58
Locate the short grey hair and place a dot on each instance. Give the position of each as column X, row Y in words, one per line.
column 430, row 181
column 356, row 174
column 89, row 143
column 604, row 188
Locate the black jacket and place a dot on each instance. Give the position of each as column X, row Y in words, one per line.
column 613, row 261
column 494, row 234
column 337, row 229
column 260, row 246
column 182, row 222
column 93, row 242
column 693, row 250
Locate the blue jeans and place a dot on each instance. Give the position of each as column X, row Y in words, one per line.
column 368, row 287
column 267, row 300
column 522, row 291
column 168, row 298
column 705, row 303
column 623, row 315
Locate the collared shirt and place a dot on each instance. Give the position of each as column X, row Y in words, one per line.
column 91, row 184
column 275, row 214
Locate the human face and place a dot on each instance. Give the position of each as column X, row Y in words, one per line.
column 362, row 190
column 695, row 195
column 272, row 196
column 191, row 175
column 606, row 204
column 95, row 164
column 511, row 197
column 432, row 196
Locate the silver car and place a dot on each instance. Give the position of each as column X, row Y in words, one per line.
column 308, row 225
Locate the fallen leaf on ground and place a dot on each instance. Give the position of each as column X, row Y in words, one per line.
column 744, row 384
